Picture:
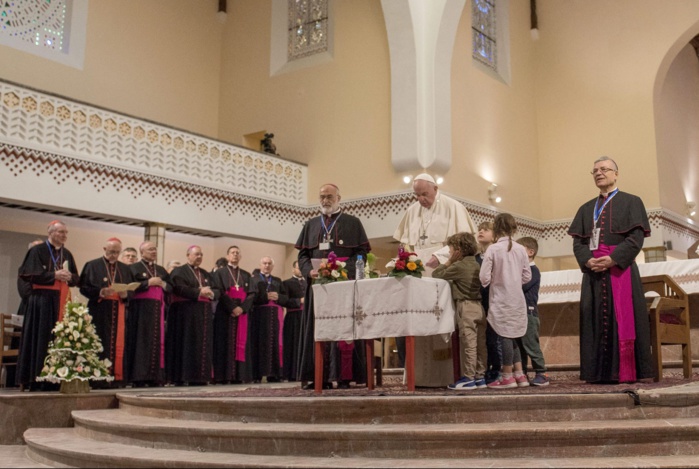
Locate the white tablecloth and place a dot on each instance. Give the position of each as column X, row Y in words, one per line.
column 563, row 286
column 382, row 307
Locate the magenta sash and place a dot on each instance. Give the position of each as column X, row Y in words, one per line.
column 280, row 318
column 157, row 294
column 623, row 310
column 241, row 339
column 346, row 350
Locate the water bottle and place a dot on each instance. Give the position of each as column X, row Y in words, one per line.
column 359, row 266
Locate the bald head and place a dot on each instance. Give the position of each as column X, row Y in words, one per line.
column 58, row 233
column 266, row 265
column 149, row 251
column 112, row 249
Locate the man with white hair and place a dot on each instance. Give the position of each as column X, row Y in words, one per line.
column 107, row 306
column 266, row 323
column 50, row 270
column 424, row 230
column 145, row 326
column 343, row 234
column 189, row 336
column 608, row 233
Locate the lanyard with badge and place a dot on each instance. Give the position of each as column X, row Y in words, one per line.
column 325, row 245
column 594, row 240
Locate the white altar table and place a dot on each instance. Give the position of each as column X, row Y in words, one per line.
column 563, row 286
column 383, row 307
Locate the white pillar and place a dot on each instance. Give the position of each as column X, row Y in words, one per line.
column 421, row 35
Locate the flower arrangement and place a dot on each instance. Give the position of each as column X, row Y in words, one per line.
column 332, row 269
column 74, row 352
column 407, row 263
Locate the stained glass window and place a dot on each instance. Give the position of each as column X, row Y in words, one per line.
column 308, row 28
column 483, row 28
column 38, row 22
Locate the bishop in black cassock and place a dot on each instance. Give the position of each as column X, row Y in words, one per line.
column 232, row 362
column 296, row 288
column 189, row 335
column 266, row 323
column 50, row 270
column 107, row 307
column 343, row 234
column 608, row 233
column 145, row 324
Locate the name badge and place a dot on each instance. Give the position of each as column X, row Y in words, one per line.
column 324, row 246
column 594, row 239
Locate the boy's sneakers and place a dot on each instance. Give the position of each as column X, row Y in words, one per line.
column 522, row 381
column 480, row 383
column 541, row 380
column 464, row 384
column 503, row 383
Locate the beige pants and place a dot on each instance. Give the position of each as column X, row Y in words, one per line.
column 470, row 320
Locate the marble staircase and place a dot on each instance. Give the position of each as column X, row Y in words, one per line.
column 524, row 430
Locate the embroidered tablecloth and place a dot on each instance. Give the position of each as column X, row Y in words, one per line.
column 382, row 307
column 563, row 286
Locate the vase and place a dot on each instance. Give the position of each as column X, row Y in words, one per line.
column 75, row 386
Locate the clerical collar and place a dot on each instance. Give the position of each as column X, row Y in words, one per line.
column 607, row 194
column 297, row 278
column 233, row 266
column 335, row 214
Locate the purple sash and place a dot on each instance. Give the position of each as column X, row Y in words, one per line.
column 623, row 310
column 280, row 318
column 241, row 339
column 346, row 351
column 157, row 294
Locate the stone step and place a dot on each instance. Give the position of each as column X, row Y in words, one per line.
column 416, row 441
column 457, row 408
column 61, row 447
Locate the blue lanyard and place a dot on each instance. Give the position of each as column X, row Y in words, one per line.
column 57, row 258
column 598, row 210
column 330, row 228
column 268, row 282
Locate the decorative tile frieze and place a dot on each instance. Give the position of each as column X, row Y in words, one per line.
column 59, row 126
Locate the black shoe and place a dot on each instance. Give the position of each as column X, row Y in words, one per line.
column 311, row 386
column 344, row 384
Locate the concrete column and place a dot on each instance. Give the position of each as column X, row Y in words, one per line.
column 155, row 233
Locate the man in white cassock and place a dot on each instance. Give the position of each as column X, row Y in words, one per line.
column 424, row 230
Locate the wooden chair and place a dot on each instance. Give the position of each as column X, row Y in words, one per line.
column 669, row 321
column 9, row 338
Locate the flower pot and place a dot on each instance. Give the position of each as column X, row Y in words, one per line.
column 75, row 386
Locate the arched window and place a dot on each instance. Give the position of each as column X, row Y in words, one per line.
column 484, row 30
column 53, row 29
column 302, row 34
column 308, row 28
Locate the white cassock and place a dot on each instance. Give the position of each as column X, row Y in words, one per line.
column 425, row 232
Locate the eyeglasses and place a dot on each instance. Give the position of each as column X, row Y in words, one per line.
column 328, row 197
column 601, row 170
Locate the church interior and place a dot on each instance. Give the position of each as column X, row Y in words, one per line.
column 151, row 120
